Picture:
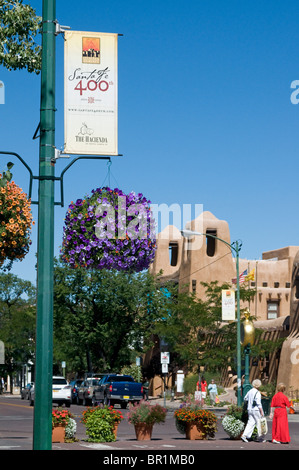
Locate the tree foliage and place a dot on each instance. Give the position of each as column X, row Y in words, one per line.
column 195, row 332
column 17, row 321
column 19, row 26
column 100, row 317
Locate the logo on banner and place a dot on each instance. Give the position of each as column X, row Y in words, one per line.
column 91, row 53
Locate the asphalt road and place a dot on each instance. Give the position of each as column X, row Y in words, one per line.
column 16, row 433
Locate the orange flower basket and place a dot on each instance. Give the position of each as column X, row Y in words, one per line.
column 15, row 222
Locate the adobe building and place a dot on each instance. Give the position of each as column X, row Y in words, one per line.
column 190, row 261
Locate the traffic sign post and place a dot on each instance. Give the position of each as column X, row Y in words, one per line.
column 165, row 359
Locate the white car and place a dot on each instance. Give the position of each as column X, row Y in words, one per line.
column 61, row 392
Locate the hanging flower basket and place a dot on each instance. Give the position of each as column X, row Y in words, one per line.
column 15, row 220
column 109, row 230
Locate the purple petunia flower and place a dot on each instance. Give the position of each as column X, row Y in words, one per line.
column 109, row 230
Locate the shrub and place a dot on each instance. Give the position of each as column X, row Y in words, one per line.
column 100, row 422
column 143, row 412
column 70, row 430
column 60, row 417
column 193, row 413
column 232, row 426
column 99, row 429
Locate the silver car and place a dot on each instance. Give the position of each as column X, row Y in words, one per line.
column 85, row 390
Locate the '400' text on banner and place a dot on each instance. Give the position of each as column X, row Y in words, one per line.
column 90, row 93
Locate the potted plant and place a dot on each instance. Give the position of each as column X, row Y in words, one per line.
column 234, row 421
column 60, row 419
column 195, row 422
column 109, row 230
column 143, row 416
column 233, row 426
column 101, row 423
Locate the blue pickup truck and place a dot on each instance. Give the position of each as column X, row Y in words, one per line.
column 116, row 388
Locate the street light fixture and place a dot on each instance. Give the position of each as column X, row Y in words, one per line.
column 235, row 247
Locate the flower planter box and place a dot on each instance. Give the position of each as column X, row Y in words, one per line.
column 58, row 433
column 195, row 431
column 143, row 431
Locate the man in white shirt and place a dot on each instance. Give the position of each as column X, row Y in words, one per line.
column 255, row 412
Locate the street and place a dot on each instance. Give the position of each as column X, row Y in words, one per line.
column 16, row 433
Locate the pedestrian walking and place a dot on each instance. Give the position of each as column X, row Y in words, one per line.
column 280, row 425
column 213, row 391
column 255, row 412
column 145, row 386
column 202, row 387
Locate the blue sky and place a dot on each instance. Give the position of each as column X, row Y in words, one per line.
column 205, row 115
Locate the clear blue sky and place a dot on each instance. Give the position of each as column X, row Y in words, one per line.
column 205, row 115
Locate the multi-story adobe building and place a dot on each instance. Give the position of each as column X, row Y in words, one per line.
column 190, row 261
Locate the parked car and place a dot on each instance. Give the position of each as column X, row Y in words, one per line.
column 25, row 392
column 75, row 384
column 85, row 390
column 31, row 391
column 117, row 388
column 61, row 392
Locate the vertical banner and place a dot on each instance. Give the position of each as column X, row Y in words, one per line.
column 90, row 93
column 228, row 305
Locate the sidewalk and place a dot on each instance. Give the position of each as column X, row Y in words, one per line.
column 228, row 396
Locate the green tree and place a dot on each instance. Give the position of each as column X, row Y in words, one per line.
column 101, row 317
column 19, row 26
column 17, row 321
column 194, row 329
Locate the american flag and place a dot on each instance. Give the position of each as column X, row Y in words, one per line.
column 241, row 277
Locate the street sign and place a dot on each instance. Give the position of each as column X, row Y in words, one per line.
column 165, row 357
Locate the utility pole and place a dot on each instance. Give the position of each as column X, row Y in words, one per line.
column 42, row 435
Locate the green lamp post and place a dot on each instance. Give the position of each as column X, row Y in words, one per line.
column 235, row 247
column 42, row 433
column 247, row 340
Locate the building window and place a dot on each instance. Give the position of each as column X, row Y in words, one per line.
column 211, row 242
column 265, row 284
column 193, row 285
column 276, row 284
column 173, row 253
column 272, row 309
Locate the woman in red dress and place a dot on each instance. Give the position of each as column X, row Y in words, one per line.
column 280, row 425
